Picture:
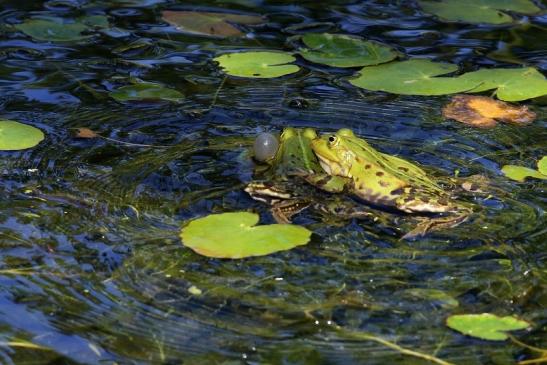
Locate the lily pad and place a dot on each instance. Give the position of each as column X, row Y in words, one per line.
column 520, row 173
column 512, row 84
column 235, row 235
column 542, row 165
column 486, row 326
column 209, row 24
column 339, row 50
column 18, row 136
column 146, row 91
column 413, row 77
column 484, row 112
column 478, row 11
column 53, row 30
column 61, row 30
column 257, row 64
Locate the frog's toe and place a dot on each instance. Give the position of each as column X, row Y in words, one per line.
column 476, row 184
column 283, row 211
column 436, row 224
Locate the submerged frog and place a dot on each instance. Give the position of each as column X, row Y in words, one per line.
column 387, row 181
column 293, row 172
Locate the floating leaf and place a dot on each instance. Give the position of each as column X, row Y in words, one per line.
column 542, row 165
column 478, row 11
column 85, row 133
column 53, row 30
column 234, row 235
column 60, row 30
column 512, row 84
column 257, row 64
column 18, row 136
column 344, row 51
column 412, row 77
column 146, row 91
column 95, row 21
column 482, row 111
column 486, row 326
column 209, row 24
column 520, row 173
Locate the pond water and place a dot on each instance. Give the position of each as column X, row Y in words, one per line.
column 92, row 270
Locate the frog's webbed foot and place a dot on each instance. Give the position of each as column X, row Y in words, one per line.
column 475, row 184
column 436, row 224
column 284, row 210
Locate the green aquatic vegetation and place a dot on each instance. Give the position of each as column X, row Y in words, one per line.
column 511, row 84
column 340, row 50
column 146, row 91
column 443, row 299
column 56, row 29
column 259, row 64
column 235, row 235
column 478, row 11
column 520, row 173
column 18, row 136
column 542, row 165
column 413, row 77
column 486, row 326
column 209, row 24
column 420, row 77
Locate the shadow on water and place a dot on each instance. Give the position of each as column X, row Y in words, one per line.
column 92, row 269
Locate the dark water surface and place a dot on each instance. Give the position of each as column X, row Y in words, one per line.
column 91, row 266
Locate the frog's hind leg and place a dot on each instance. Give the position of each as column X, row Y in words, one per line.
column 283, row 211
column 436, row 224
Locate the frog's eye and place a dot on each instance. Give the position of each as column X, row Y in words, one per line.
column 333, row 141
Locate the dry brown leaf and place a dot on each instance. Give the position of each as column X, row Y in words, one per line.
column 85, row 133
column 207, row 23
column 484, row 112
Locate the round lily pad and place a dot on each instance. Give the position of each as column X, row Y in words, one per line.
column 512, row 84
column 257, row 64
column 486, row 326
column 146, row 91
column 235, row 235
column 209, row 24
column 478, row 11
column 542, row 165
column 56, row 29
column 52, row 30
column 520, row 173
column 18, row 136
column 344, row 51
column 413, row 77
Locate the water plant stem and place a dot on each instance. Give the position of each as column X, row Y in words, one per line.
column 394, row 346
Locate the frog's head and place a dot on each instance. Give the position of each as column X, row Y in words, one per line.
column 334, row 152
column 294, row 153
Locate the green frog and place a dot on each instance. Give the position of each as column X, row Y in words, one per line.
column 388, row 181
column 292, row 176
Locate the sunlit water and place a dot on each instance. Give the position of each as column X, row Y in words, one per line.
column 92, row 269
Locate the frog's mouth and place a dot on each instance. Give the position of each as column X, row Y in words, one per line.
column 326, row 157
column 325, row 164
column 331, row 167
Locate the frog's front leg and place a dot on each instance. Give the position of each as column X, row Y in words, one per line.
column 329, row 183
